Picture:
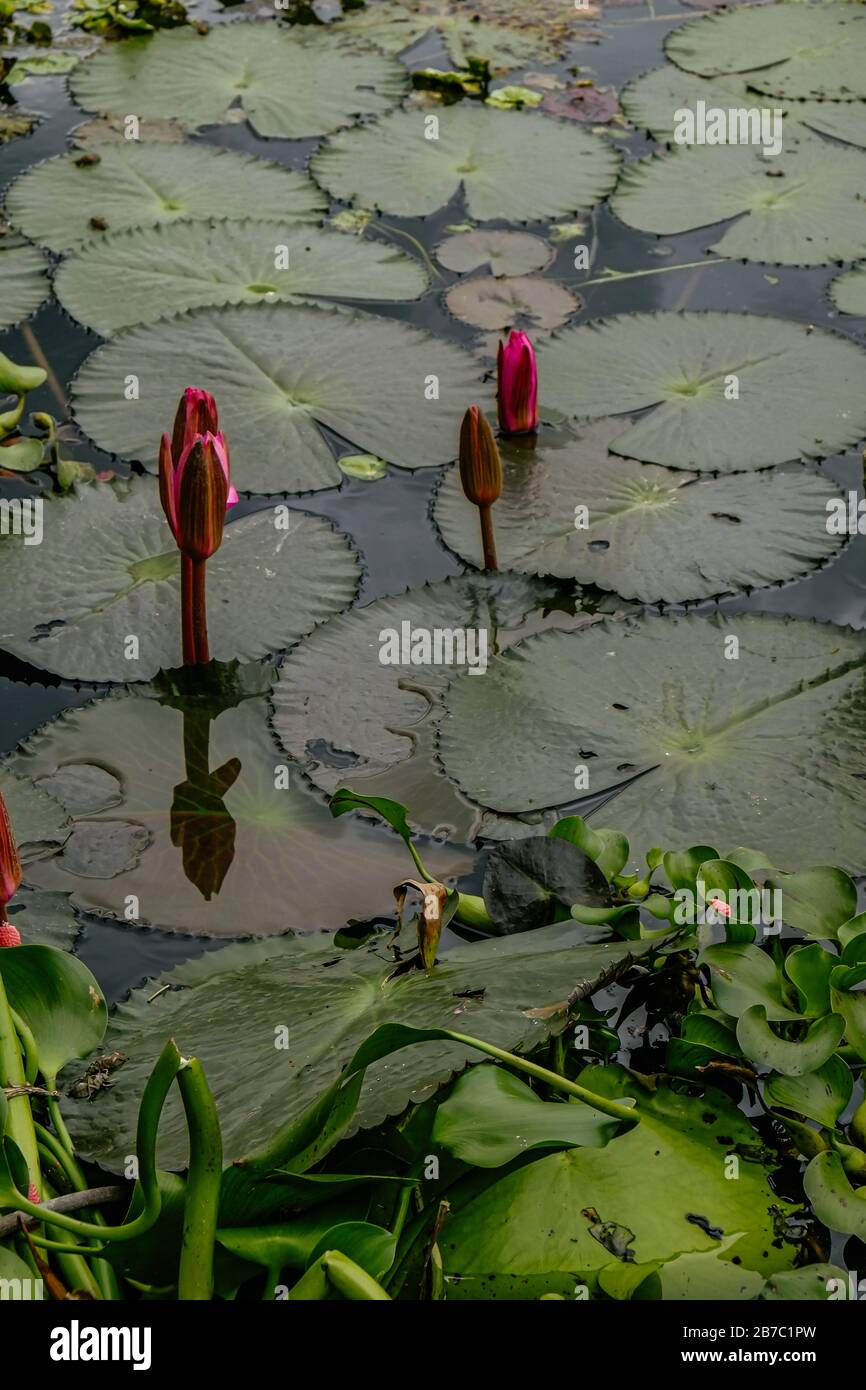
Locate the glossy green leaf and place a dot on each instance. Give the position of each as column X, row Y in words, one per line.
column 810, row 967
column 816, row 900
column 742, row 977
column 820, row 1095
column 851, row 1004
column 764, row 1047
column 608, row 848
column 59, row 1000
column 527, row 881
column 836, row 1202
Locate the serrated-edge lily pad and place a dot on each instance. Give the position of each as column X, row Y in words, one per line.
column 25, row 281
column 289, row 83
column 115, row 574
column 661, row 715
column 155, row 272
column 39, row 822
column 498, row 252
column 654, row 534
column 501, row 159
column 68, row 201
column 709, row 377
column 848, row 291
column 279, row 371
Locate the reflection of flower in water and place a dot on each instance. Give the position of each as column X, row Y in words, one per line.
column 201, row 825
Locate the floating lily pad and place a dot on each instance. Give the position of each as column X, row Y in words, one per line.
column 154, row 272
column 590, row 105
column 646, row 533
column 788, row 50
column 356, row 722
column 766, row 747
column 115, row 574
column 502, row 160
column 65, row 201
column 330, row 1001
column 39, row 822
column 279, row 371
column 683, row 364
column 25, row 280
column 802, row 207
column 17, row 123
column 501, row 253
column 289, row 83
column 848, row 291
column 43, row 919
column 245, row 849
column 507, row 33
column 111, row 130
column 522, row 301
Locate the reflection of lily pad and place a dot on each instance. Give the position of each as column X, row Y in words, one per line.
column 648, row 533
column 279, row 371
column 43, row 919
column 522, row 301
column 25, row 281
column 138, row 185
column 591, row 105
column 370, row 726
column 262, row 858
column 688, row 365
column 154, row 272
column 39, row 822
column 764, row 748
column 501, row 159
column 115, row 574
column 289, row 83
column 501, row 253
column 226, row 1006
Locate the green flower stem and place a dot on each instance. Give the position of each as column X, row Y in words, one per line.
column 105, row 1273
column 19, row 1125
column 201, row 1204
column 28, row 1043
column 472, row 911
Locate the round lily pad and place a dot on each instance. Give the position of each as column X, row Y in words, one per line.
column 288, row 82
column 279, row 371
column 107, row 608
column 521, row 301
column 653, row 534
column 749, row 727
column 143, row 275
column 500, row 253
column 67, row 201
column 802, row 207
column 848, row 291
column 501, row 159
column 728, row 390
column 25, row 280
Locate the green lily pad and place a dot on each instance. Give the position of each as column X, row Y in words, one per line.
column 802, row 207
column 25, row 281
column 764, row 1047
column 501, row 159
column 115, row 574
column 43, row 919
column 646, row 533
column 812, row 1282
column 279, row 371
column 350, row 719
column 330, row 1001
column 289, row 83
column 64, row 202
column 525, row 301
column 848, row 291
column 788, row 50
column 500, row 253
column 682, row 364
column 39, row 822
column 765, row 747
column 506, row 33
column 820, row 1095
column 143, row 275
column 246, row 849
column 16, row 123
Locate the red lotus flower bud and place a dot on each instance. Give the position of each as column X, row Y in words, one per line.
column 480, row 466
column 9, row 935
column 517, row 391
column 200, row 498
column 10, row 864
column 196, row 414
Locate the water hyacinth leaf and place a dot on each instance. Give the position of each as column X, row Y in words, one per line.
column 851, row 1004
column 679, row 363
column 156, row 184
column 683, row 866
column 500, row 253
column 43, row 919
column 348, row 717
column 742, row 976
column 279, row 371
column 25, row 281
column 803, row 206
column 764, row 1047
column 821, row 1095
column 288, row 1244
column 21, row 455
column 334, row 1000
column 852, row 932
column 367, row 467
column 608, row 848
column 626, row 693
column 58, row 999
column 492, row 1117
column 143, row 275
column 115, row 570
column 40, row 823
column 708, row 1275
column 370, row 1246
column 204, row 852
column 17, row 1279
column 527, row 301
column 839, row 1205
column 810, row 967
column 527, row 881
column 787, row 50
column 289, row 83
column 500, row 159
column 648, row 1181
column 704, row 1040
column 813, row 1283
column 816, row 900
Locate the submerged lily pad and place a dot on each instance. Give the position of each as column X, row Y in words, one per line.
column 279, row 371
column 67, row 201
column 500, row 253
column 355, row 721
column 507, row 33
column 801, row 207
column 578, row 512
column 154, row 272
column 848, row 291
column 115, row 576
column 214, row 833
column 39, row 822
column 502, row 160
column 521, row 301
column 330, row 1001
column 710, row 377
column 25, row 281
column 289, row 83
column 762, row 746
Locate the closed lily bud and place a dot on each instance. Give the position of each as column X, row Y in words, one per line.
column 196, row 417
column 201, row 490
column 10, row 864
column 517, row 390
column 196, row 414
column 480, row 465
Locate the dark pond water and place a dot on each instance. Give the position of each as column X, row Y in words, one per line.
column 383, row 517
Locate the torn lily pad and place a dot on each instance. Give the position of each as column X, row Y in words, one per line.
column 505, row 33
column 25, row 280
column 499, row 253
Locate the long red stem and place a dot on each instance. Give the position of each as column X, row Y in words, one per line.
column 186, row 607
column 199, row 613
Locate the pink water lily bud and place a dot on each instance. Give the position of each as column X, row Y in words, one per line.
column 196, row 418
column 517, row 388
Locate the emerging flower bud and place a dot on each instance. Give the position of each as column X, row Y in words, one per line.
column 10, row 864
column 517, row 390
column 201, row 490
column 480, row 466
column 196, row 418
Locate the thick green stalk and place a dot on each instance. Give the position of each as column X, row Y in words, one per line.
column 66, row 1159
column 19, row 1124
column 201, row 1204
